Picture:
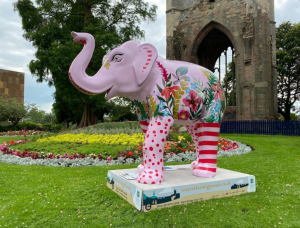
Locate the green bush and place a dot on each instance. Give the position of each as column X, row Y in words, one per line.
column 31, row 126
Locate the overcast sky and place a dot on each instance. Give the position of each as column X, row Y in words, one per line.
column 16, row 52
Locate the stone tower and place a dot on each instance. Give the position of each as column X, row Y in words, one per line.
column 199, row 31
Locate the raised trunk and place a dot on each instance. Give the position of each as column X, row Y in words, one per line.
column 88, row 117
column 96, row 84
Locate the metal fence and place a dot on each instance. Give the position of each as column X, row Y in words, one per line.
column 263, row 127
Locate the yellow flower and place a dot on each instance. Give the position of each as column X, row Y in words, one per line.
column 180, row 138
column 116, row 139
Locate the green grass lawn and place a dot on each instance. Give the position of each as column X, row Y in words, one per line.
column 39, row 196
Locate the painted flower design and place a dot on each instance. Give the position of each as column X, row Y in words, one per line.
column 161, row 105
column 106, row 65
column 193, row 101
column 139, row 114
column 217, row 106
column 206, row 74
column 204, row 114
column 167, row 91
column 166, row 112
column 178, row 77
column 194, row 86
column 155, row 94
column 218, row 90
column 183, row 115
column 188, row 90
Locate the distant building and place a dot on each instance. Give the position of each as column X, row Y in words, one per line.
column 12, row 84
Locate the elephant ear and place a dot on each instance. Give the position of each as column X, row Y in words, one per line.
column 144, row 61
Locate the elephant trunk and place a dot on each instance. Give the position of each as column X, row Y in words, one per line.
column 83, row 82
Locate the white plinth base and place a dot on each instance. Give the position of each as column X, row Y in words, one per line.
column 179, row 187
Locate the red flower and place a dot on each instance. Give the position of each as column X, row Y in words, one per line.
column 219, row 92
column 167, row 91
column 183, row 115
column 163, row 71
column 193, row 101
column 129, row 153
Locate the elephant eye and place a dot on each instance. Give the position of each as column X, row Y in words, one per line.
column 117, row 58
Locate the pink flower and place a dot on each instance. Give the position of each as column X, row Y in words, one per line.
column 219, row 92
column 193, row 101
column 183, row 115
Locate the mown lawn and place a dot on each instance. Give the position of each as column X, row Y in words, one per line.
column 78, row 197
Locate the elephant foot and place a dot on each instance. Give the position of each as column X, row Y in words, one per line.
column 194, row 164
column 150, row 177
column 141, row 168
column 203, row 172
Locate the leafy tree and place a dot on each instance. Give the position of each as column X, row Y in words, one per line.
column 49, row 118
column 229, row 85
column 292, row 117
column 288, row 67
column 48, row 24
column 122, row 109
column 12, row 110
column 35, row 115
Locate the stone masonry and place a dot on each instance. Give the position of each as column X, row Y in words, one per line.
column 12, row 84
column 199, row 31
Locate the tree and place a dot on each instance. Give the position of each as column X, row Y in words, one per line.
column 35, row 115
column 229, row 85
column 12, row 110
column 49, row 117
column 48, row 25
column 288, row 67
column 122, row 109
column 293, row 117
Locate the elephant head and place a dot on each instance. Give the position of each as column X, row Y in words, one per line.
column 125, row 70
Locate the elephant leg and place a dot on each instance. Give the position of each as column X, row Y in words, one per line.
column 144, row 125
column 208, row 137
column 193, row 132
column 153, row 150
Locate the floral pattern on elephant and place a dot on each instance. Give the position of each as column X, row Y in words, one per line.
column 200, row 103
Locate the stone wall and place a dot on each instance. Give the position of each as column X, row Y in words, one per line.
column 12, row 84
column 250, row 27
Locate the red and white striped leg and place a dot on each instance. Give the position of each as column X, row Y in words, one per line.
column 208, row 137
column 144, row 125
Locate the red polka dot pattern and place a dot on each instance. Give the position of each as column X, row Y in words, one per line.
column 155, row 140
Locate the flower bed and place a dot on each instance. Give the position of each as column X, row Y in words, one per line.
column 116, row 139
column 173, row 151
column 22, row 132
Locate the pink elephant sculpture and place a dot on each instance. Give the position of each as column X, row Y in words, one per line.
column 165, row 92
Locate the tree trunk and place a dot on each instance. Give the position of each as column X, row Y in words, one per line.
column 88, row 117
